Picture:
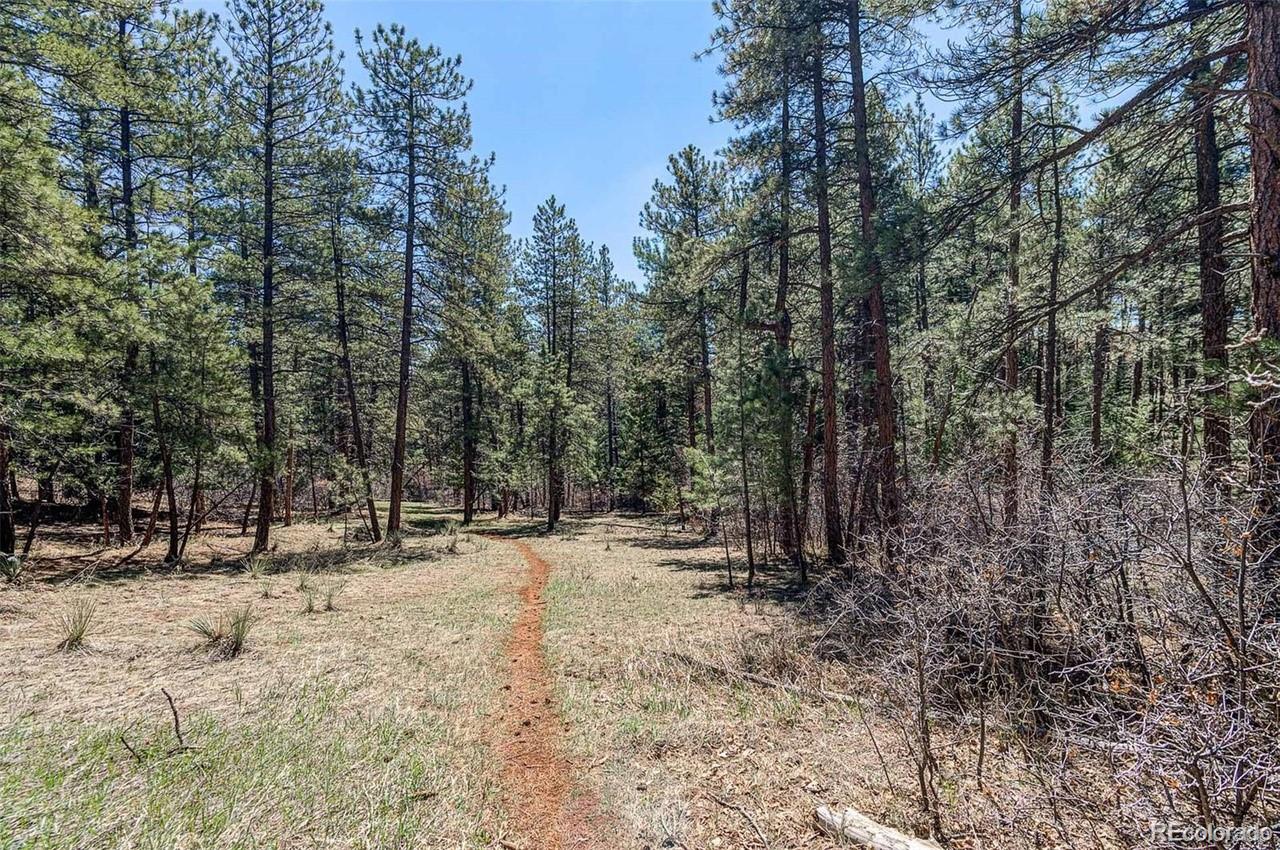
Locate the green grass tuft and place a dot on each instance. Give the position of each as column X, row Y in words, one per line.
column 12, row 568
column 225, row 637
column 76, row 622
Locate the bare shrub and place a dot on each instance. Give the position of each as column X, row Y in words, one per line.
column 1122, row 635
column 783, row 654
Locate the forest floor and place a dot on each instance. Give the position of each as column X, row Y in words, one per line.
column 497, row 687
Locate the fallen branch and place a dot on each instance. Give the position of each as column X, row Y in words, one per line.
column 746, row 814
column 182, row 746
column 136, row 755
column 854, row 826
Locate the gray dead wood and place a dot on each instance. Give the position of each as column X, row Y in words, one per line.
column 854, row 826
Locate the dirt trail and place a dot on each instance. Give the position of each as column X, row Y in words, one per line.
column 536, row 775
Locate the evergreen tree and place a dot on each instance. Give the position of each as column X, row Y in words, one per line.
column 414, row 137
column 285, row 93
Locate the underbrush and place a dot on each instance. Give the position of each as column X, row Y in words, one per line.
column 1120, row 641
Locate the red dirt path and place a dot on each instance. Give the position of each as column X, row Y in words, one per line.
column 536, row 775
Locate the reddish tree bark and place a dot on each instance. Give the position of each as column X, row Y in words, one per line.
column 1264, row 124
column 882, row 400
column 1213, row 266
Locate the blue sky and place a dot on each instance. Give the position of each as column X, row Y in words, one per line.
column 581, row 98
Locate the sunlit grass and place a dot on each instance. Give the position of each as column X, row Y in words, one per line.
column 305, row 766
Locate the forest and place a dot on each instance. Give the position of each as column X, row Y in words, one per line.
column 962, row 358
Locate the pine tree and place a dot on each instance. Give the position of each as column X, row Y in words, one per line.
column 285, row 92
column 342, row 196
column 414, row 137
column 474, row 267
column 546, row 278
column 763, row 66
column 49, row 326
column 1264, row 237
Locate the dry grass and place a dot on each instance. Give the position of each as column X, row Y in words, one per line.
column 369, row 722
column 693, row 757
column 75, row 623
column 366, row 727
column 684, row 761
column 226, row 636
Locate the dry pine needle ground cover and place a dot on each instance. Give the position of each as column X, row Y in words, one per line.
column 367, row 706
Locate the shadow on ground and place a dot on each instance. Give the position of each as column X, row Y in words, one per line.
column 115, row 564
column 773, row 582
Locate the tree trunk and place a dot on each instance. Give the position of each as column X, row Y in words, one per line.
column 691, row 417
column 195, row 510
column 166, row 464
column 1214, row 311
column 267, row 437
column 830, row 444
column 1139, row 360
column 468, row 449
column 152, row 519
column 704, row 345
column 555, row 478
column 125, row 436
column 349, row 381
column 885, row 416
column 742, row 424
column 248, row 507
column 289, row 471
column 611, row 440
column 1050, row 375
column 792, row 542
column 125, row 453
column 8, row 536
column 806, row 476
column 1098, row 372
column 855, row 827
column 406, row 339
column 1010, row 376
column 1264, row 124
column 105, row 510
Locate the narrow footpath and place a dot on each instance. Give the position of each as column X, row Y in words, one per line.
column 537, row 776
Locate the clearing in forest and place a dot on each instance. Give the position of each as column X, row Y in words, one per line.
column 598, row 687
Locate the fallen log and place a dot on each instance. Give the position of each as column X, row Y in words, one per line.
column 854, row 826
